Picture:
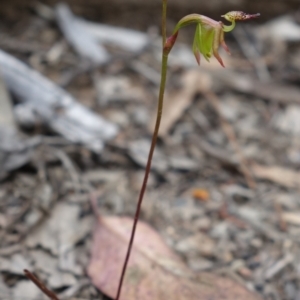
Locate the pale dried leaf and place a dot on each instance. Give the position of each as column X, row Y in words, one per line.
column 60, row 233
column 63, row 229
column 154, row 271
column 197, row 244
column 282, row 176
column 291, row 218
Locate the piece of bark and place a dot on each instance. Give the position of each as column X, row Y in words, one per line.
column 6, row 111
column 58, row 109
column 127, row 39
column 71, row 25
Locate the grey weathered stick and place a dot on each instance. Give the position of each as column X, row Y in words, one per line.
column 70, row 24
column 54, row 106
column 83, row 42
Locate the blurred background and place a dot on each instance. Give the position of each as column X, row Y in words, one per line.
column 120, row 13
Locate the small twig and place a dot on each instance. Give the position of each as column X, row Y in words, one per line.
column 40, row 285
column 282, row 222
column 224, row 214
column 228, row 130
column 70, row 167
column 279, row 266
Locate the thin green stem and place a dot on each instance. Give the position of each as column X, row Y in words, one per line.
column 164, row 65
column 164, row 22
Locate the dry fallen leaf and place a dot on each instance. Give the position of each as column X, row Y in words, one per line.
column 154, row 270
column 62, row 231
column 59, row 235
column 282, row 176
column 198, row 243
column 291, row 218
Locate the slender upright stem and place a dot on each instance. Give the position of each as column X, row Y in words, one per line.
column 152, row 148
column 164, row 22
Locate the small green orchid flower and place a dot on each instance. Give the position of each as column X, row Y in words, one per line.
column 209, row 34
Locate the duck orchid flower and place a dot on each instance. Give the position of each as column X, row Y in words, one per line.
column 209, row 34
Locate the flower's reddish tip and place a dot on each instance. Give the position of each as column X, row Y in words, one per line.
column 254, row 16
column 198, row 57
column 223, row 44
column 219, row 59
